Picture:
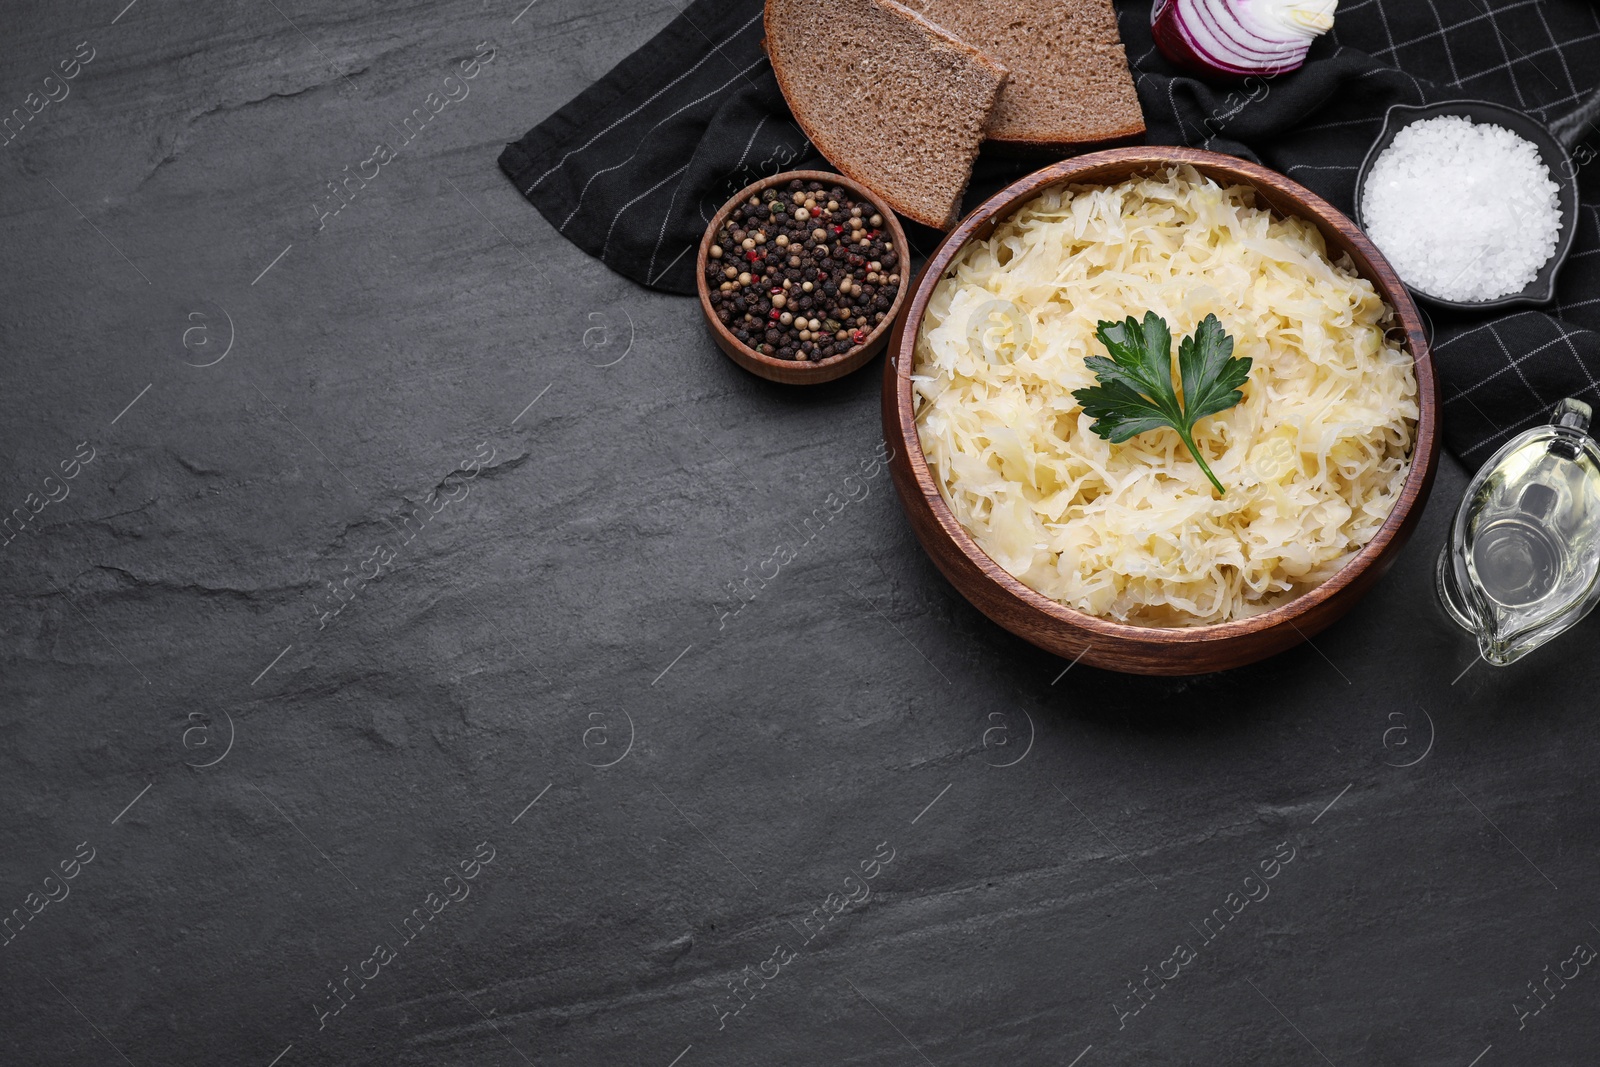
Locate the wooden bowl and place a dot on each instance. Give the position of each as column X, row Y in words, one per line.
column 793, row 372
column 1103, row 642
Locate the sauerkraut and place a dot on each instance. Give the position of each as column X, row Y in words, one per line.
column 1313, row 458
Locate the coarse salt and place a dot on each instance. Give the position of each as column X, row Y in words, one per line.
column 1465, row 212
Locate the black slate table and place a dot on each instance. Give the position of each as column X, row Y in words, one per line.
column 371, row 693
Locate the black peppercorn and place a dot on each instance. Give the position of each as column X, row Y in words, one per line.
column 802, row 259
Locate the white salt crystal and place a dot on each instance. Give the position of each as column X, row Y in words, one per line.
column 1464, row 212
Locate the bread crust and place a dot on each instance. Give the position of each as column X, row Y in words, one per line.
column 1114, row 139
column 821, row 137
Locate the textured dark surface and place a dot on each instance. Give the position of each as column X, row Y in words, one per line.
column 504, row 651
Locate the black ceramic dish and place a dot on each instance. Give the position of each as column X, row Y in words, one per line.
column 1553, row 148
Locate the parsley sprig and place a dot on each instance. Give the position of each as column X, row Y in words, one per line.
column 1135, row 391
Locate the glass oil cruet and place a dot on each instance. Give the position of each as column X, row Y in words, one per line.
column 1521, row 563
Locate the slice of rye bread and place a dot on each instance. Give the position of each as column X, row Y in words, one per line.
column 892, row 100
column 1069, row 75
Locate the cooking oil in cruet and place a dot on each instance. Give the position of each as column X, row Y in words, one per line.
column 1524, row 551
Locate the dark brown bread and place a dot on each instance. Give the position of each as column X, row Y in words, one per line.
column 893, row 101
column 1069, row 75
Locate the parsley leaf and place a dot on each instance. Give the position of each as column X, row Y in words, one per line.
column 1135, row 391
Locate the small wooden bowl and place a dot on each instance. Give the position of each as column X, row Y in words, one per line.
column 793, row 372
column 1102, row 642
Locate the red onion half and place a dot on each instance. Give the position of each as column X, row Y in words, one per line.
column 1238, row 38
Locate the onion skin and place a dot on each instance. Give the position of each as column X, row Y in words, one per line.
column 1183, row 29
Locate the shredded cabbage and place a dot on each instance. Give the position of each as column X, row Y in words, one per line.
column 1313, row 458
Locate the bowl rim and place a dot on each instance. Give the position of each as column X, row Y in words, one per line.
column 826, row 369
column 1540, row 291
column 1267, row 183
